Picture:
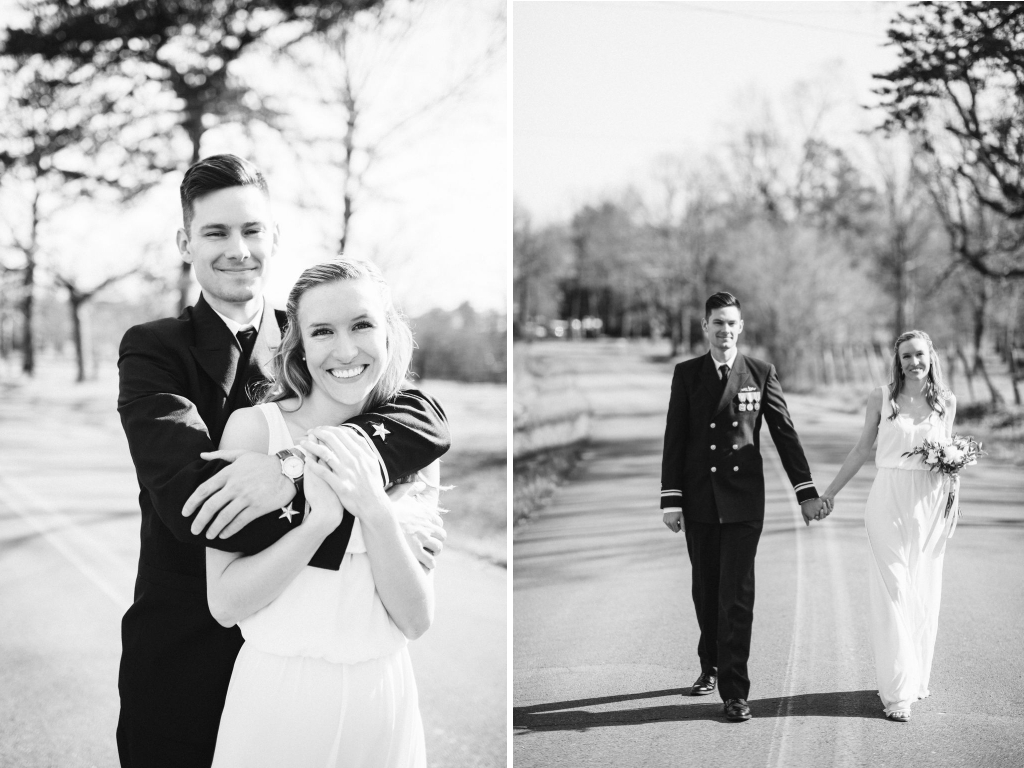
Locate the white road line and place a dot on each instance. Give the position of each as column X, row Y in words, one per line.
column 92, row 559
column 778, row 753
column 848, row 731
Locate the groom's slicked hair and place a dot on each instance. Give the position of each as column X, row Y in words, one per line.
column 214, row 173
column 719, row 300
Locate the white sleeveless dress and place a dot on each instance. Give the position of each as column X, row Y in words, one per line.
column 324, row 678
column 907, row 533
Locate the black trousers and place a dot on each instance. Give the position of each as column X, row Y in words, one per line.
column 141, row 748
column 722, row 560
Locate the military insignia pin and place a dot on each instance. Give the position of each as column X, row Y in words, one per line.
column 749, row 398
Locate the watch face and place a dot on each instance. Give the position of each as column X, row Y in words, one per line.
column 292, row 467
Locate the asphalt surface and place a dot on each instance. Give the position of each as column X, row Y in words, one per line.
column 605, row 637
column 68, row 550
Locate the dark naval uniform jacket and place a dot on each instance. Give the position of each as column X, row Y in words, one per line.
column 711, row 465
column 180, row 379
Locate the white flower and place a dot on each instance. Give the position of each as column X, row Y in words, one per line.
column 954, row 454
column 932, row 457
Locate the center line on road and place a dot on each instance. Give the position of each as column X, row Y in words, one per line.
column 66, row 536
column 778, row 751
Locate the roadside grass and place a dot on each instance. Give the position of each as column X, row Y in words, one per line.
column 537, row 476
column 476, row 467
column 1001, row 432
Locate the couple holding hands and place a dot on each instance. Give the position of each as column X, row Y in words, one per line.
column 713, row 489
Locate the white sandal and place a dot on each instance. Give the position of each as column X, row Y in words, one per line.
column 899, row 715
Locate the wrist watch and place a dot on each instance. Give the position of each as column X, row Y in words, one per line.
column 293, row 462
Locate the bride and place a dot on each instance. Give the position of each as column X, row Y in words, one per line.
column 905, row 520
column 324, row 676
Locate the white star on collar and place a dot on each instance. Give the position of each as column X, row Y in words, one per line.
column 287, row 512
column 379, row 430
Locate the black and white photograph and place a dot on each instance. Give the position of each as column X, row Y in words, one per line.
column 767, row 425
column 253, row 365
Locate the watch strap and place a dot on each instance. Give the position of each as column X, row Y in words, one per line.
column 299, row 501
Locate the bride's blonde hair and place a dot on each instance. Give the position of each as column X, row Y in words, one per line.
column 935, row 390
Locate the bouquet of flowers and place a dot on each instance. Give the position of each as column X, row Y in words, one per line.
column 948, row 458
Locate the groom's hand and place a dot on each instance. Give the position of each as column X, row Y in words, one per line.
column 674, row 521
column 250, row 486
column 810, row 509
column 422, row 526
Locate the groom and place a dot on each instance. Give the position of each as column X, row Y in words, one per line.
column 712, row 485
column 180, row 379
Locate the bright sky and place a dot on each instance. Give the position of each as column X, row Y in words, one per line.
column 437, row 220
column 601, row 88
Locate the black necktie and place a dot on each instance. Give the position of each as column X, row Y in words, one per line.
column 247, row 338
column 724, row 371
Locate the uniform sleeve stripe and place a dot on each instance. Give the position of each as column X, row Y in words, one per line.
column 802, row 486
column 366, row 437
column 671, row 493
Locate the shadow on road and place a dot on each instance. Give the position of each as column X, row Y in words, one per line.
column 551, row 717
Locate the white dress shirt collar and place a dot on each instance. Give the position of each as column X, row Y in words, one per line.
column 730, row 359
column 253, row 322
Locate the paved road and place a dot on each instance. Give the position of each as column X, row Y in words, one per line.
column 68, row 549
column 605, row 637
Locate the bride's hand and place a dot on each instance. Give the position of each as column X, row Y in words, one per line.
column 349, row 466
column 827, row 503
column 324, row 506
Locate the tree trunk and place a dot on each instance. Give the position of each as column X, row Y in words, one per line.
column 901, row 295
column 194, row 127
column 968, row 373
column 1010, row 340
column 28, row 354
column 75, row 303
column 1012, row 362
column 675, row 325
column 523, row 310
column 980, row 307
column 348, row 96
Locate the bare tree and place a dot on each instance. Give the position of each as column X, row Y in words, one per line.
column 78, row 297
column 539, row 260
column 906, row 222
column 960, row 74
column 173, row 64
column 48, row 140
column 685, row 223
column 356, row 71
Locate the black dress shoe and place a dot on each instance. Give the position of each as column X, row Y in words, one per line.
column 736, row 710
column 704, row 684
